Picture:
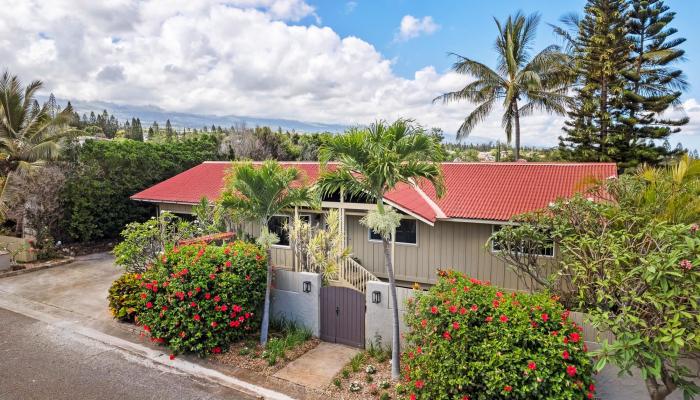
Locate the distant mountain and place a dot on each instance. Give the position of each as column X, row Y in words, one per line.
column 148, row 114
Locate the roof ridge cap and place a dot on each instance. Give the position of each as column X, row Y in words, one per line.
column 438, row 211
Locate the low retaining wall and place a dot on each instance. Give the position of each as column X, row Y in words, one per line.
column 22, row 246
column 289, row 301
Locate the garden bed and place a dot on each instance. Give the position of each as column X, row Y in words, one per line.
column 366, row 376
column 249, row 355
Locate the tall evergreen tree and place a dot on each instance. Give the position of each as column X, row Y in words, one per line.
column 169, row 132
column 601, row 51
column 654, row 84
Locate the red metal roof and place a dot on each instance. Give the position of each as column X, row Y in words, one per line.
column 486, row 191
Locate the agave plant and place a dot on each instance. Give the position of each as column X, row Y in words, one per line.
column 30, row 135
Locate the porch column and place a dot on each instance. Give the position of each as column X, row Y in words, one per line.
column 294, row 242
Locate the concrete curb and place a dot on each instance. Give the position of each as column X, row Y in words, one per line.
column 39, row 267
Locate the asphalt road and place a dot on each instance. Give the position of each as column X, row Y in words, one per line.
column 41, row 361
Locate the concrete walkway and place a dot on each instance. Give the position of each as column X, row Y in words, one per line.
column 316, row 368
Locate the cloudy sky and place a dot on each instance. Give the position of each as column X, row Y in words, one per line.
column 333, row 61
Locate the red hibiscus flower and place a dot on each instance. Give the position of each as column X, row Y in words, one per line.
column 462, row 310
column 144, row 295
column 419, row 384
column 574, row 337
column 197, row 317
column 182, row 334
column 419, row 350
column 507, row 388
column 172, row 356
column 455, row 325
column 214, row 324
column 496, row 304
column 565, row 355
column 217, row 299
column 489, row 318
column 227, row 264
column 474, row 307
column 224, row 308
column 434, row 310
column 216, row 350
column 412, row 397
column 499, row 294
column 198, row 289
column 423, row 323
column 247, row 277
column 589, row 395
column 447, row 335
column 237, row 308
column 532, row 366
column 503, row 318
column 146, row 328
column 193, row 304
column 207, row 296
column 149, row 305
column 591, row 387
column 571, row 370
column 164, row 308
column 212, row 276
column 453, row 309
column 545, row 317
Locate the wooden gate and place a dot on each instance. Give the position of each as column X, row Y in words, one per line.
column 343, row 316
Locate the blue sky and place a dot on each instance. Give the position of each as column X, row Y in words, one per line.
column 336, row 62
column 467, row 28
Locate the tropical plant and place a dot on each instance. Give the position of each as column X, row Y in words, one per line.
column 524, row 84
column 201, row 298
column 319, row 249
column 372, row 162
column 256, row 193
column 144, row 242
column 469, row 340
column 125, row 296
column 30, row 135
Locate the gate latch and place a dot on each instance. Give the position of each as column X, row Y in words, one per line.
column 337, row 310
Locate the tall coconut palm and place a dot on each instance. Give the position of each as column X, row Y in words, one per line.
column 258, row 192
column 371, row 163
column 30, row 135
column 524, row 84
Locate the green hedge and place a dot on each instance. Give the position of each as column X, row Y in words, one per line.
column 107, row 173
column 200, row 298
column 467, row 339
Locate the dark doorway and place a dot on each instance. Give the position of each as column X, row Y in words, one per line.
column 343, row 316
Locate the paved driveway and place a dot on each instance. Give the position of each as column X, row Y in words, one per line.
column 80, row 287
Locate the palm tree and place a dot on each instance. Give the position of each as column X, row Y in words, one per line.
column 371, row 163
column 30, row 135
column 541, row 82
column 256, row 193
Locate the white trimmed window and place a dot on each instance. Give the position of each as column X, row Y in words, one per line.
column 406, row 232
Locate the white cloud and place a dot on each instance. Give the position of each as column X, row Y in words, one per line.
column 350, row 6
column 239, row 58
column 412, row 27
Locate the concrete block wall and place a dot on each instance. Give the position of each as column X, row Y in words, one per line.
column 378, row 317
column 289, row 301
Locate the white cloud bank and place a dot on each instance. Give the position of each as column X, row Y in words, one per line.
column 412, row 27
column 244, row 57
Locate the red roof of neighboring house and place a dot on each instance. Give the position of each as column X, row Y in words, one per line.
column 486, row 191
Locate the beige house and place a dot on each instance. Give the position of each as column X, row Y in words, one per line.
column 448, row 232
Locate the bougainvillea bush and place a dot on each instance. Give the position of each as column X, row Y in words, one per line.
column 468, row 340
column 201, row 298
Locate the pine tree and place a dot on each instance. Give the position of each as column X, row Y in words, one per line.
column 653, row 84
column 601, row 52
column 169, row 133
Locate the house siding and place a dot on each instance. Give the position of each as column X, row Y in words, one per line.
column 447, row 245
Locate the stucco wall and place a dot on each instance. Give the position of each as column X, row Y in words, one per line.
column 378, row 317
column 289, row 301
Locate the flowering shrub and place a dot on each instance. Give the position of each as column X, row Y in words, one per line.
column 200, row 298
column 468, row 340
column 124, row 297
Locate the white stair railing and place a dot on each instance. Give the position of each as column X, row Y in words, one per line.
column 351, row 272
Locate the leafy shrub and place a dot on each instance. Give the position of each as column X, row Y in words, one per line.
column 469, row 339
column 293, row 335
column 200, row 298
column 124, row 297
column 145, row 241
column 106, row 173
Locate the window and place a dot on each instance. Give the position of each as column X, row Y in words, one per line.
column 277, row 226
column 405, row 232
column 546, row 251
